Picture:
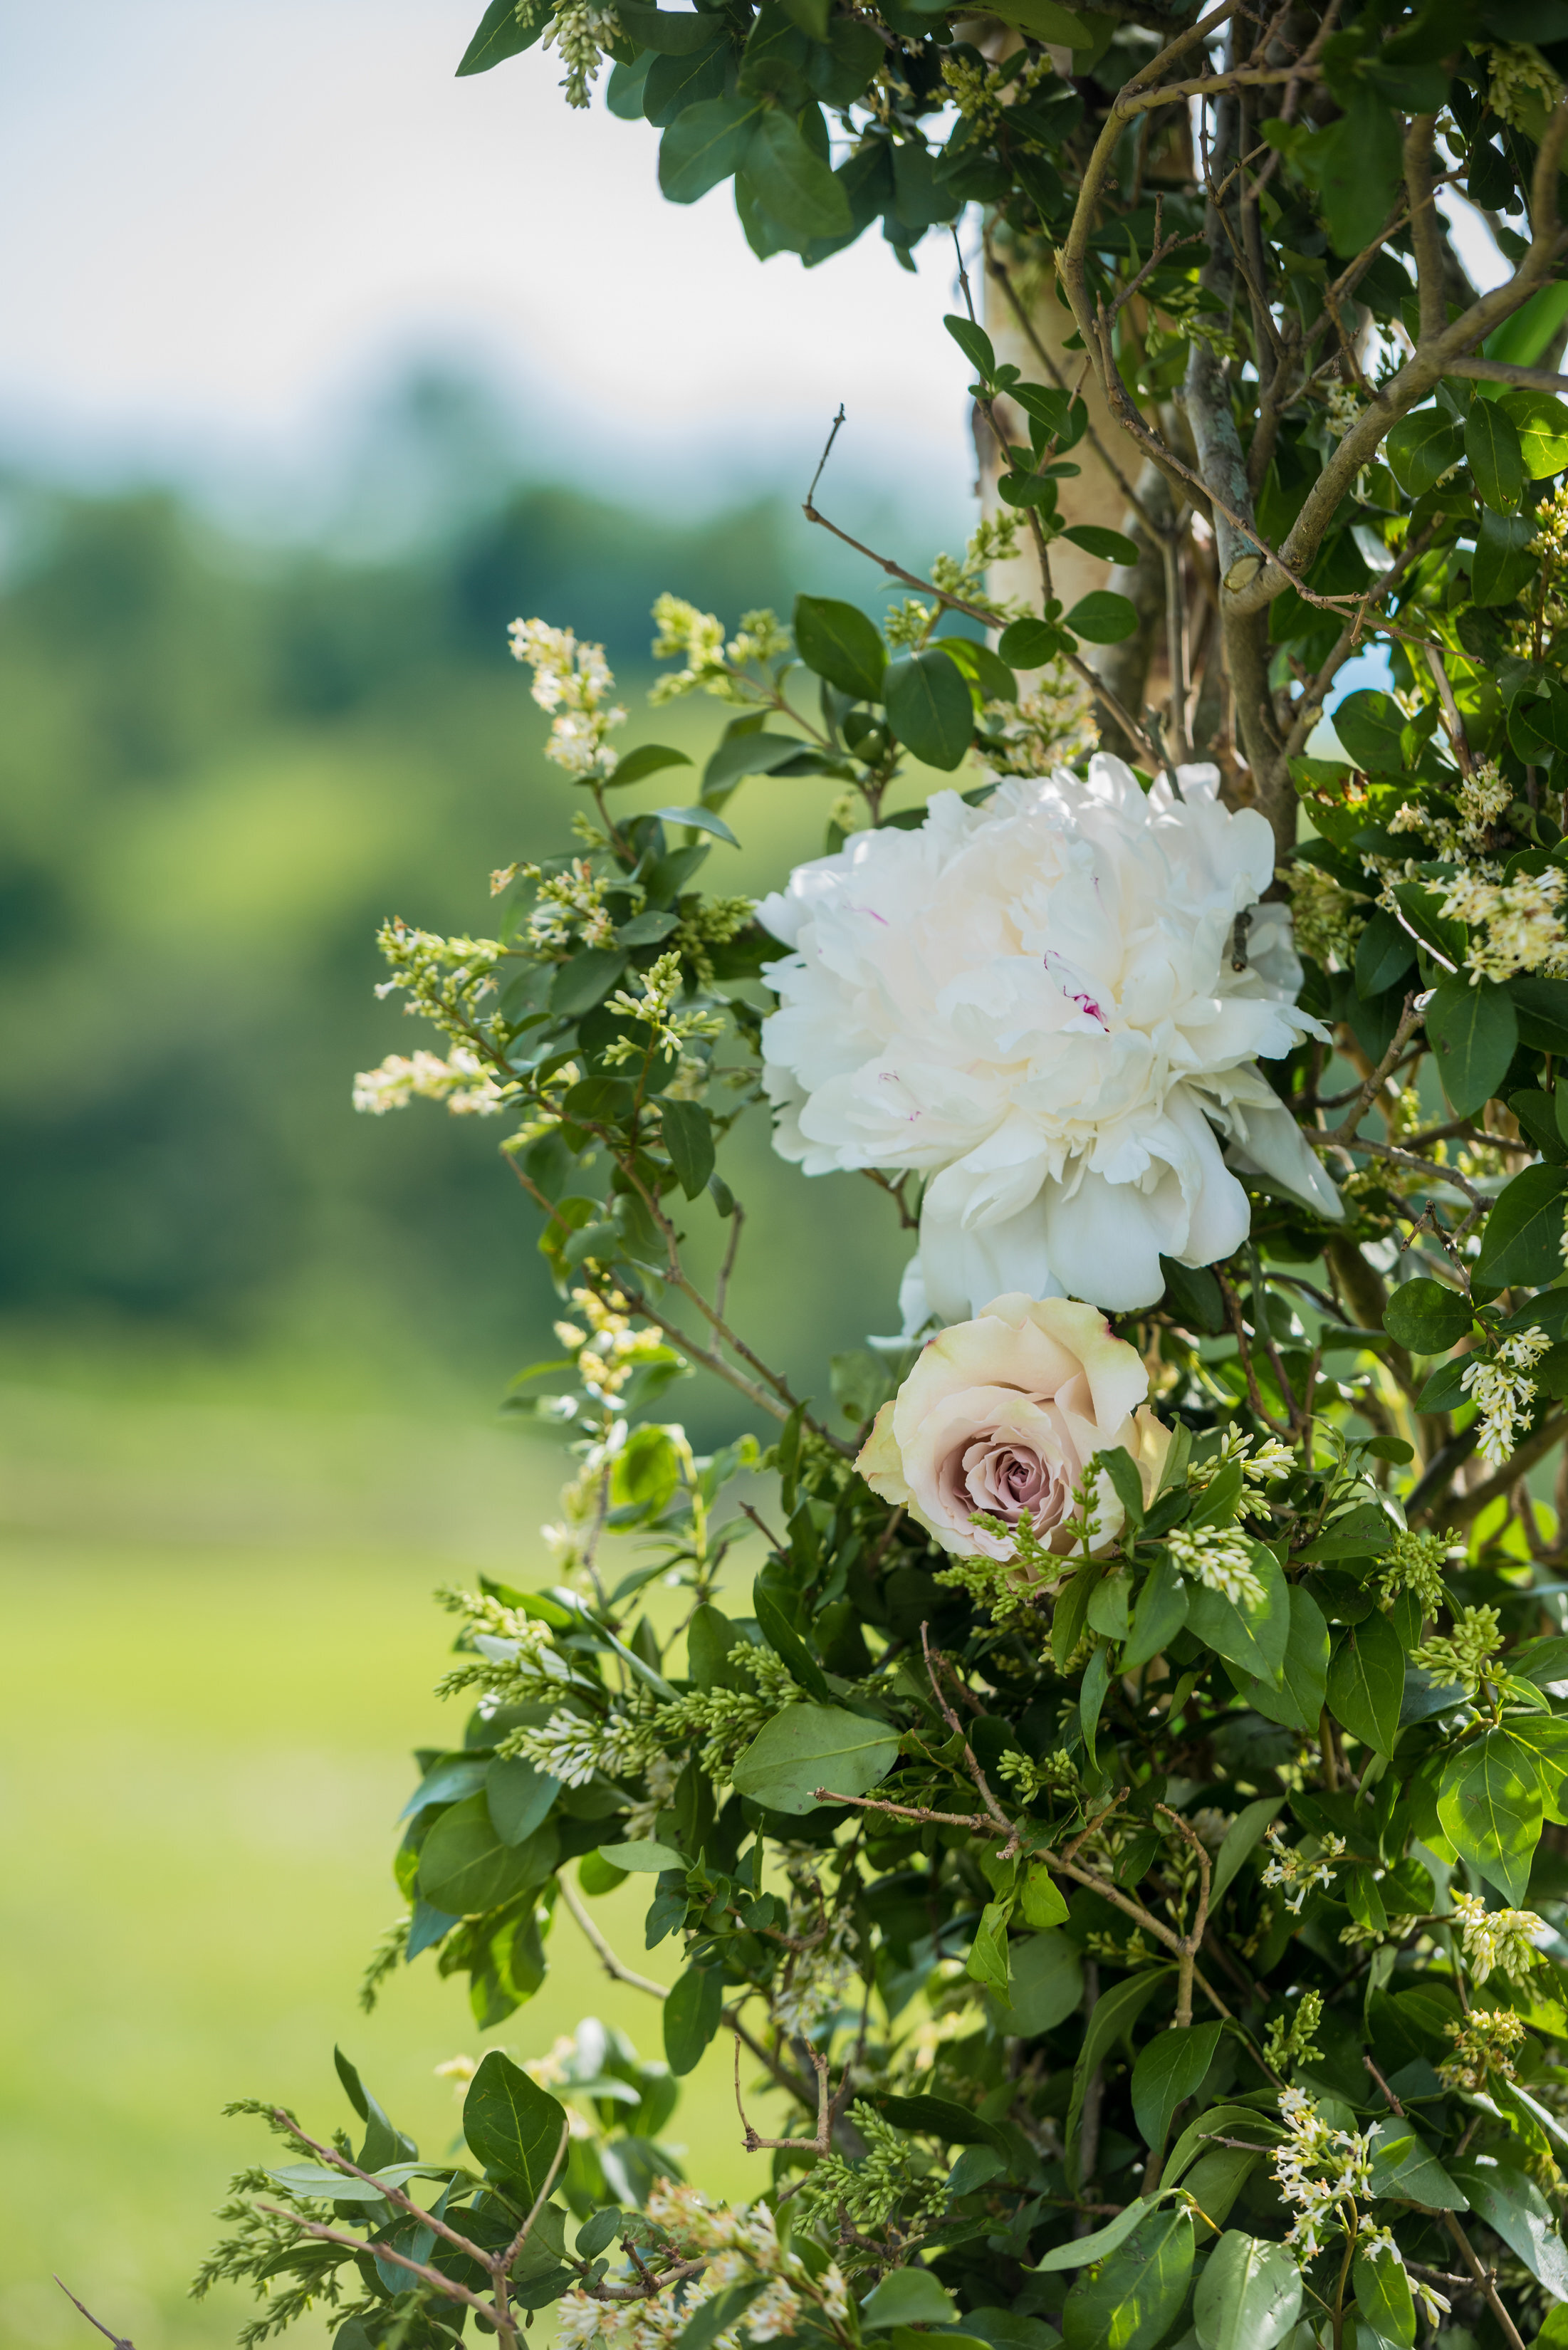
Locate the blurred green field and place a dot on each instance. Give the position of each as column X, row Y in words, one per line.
column 219, row 1648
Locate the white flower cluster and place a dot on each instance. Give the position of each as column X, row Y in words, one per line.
column 1502, row 1392
column 575, row 1748
column 1521, row 85
column 1045, row 1005
column 607, row 1353
column 584, row 34
column 1294, row 1871
column 1263, row 1458
column 739, row 2245
column 1498, row 1941
column 816, row 1982
column 461, row 1081
column 569, row 909
column 572, row 681
column 1053, row 724
column 1317, row 2169
column 1523, row 928
column 1218, row 1558
column 711, row 665
column 1485, row 2044
column 1466, row 1655
column 654, row 1008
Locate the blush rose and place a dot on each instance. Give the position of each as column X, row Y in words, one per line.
column 1003, row 1414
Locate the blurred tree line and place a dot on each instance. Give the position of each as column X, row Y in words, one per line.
column 220, row 767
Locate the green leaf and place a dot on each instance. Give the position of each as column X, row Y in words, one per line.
column 1255, row 1638
column 1305, row 1673
column 1366, row 1682
column 1081, row 2252
column 1538, row 725
column 647, row 760
column 501, row 35
column 1041, row 1898
column 1503, row 563
column 1048, row 21
column 466, row 1869
column 929, row 707
column 1045, row 1984
column 704, row 145
column 1244, row 1834
column 1383, row 953
column 668, row 32
column 1170, row 2069
column 1402, row 2165
column 1133, row 2296
column 520, row 1797
column 1541, row 422
column 746, row 751
column 1427, row 1316
column 1495, row 458
column 786, row 1641
column 1112, row 2017
column 1471, row 1027
column 1421, row 449
column 701, row 819
column 808, row 1746
column 643, row 1857
column 1118, row 1464
column 1354, row 164
column 1489, row 1808
column 795, row 184
column 1514, row 2206
column 1102, row 619
column 318, row 2179
column 1520, row 1241
column 1249, row 2297
column 512, row 2125
column 987, row 1960
column 1108, row 544
column 1092, row 1692
column 939, row 2117
column 841, row 644
column 907, row 2297
column 974, row 343
column 688, row 1134
column 1370, row 724
column 1159, row 1615
column 1030, row 644
column 691, row 2013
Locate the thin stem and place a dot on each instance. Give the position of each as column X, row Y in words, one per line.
column 607, row 1957
column 1484, row 2278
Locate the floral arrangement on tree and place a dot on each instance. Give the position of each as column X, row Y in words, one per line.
column 1119, row 1807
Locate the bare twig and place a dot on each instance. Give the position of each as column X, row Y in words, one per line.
column 119, row 2341
column 821, row 2144
column 607, row 1957
column 1487, row 2282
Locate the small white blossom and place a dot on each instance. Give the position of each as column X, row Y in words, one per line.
column 1501, row 1942
column 571, row 680
column 461, row 1081
column 1219, row 1558
column 1294, row 1870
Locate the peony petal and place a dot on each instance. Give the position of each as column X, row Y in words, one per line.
column 1267, row 1140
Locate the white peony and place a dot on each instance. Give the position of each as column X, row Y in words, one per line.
column 1035, row 1003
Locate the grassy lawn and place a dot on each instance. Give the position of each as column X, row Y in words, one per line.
column 219, row 1650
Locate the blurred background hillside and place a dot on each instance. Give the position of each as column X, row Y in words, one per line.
column 316, row 368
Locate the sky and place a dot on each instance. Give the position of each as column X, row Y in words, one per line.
column 232, row 225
